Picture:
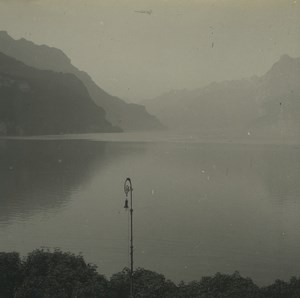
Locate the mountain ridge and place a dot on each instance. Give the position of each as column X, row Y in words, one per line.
column 236, row 106
column 118, row 112
column 38, row 102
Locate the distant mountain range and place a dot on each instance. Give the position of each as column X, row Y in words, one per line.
column 118, row 112
column 266, row 105
column 41, row 92
column 38, row 102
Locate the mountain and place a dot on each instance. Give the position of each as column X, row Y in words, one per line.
column 38, row 102
column 278, row 92
column 258, row 105
column 118, row 112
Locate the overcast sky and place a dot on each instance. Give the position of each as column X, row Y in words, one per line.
column 182, row 44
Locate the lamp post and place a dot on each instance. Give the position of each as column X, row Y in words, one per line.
column 128, row 189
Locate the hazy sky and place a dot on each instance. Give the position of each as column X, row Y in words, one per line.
column 182, row 44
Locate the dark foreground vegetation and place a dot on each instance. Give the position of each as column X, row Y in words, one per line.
column 45, row 274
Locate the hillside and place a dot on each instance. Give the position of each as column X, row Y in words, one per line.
column 38, row 102
column 259, row 105
column 118, row 112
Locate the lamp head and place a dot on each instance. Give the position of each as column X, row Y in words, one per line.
column 126, row 204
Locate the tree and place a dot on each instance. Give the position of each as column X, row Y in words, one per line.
column 60, row 275
column 146, row 284
column 119, row 284
column 282, row 289
column 149, row 284
column 10, row 274
column 220, row 286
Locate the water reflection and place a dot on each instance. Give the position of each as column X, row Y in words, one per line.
column 221, row 207
column 280, row 168
column 199, row 208
column 40, row 175
column 37, row 175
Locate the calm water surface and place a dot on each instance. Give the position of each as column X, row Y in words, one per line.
column 199, row 207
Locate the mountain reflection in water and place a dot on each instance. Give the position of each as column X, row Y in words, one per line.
column 199, row 208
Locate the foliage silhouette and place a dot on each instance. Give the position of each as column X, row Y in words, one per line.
column 57, row 274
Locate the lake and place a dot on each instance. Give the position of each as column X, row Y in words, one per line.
column 200, row 206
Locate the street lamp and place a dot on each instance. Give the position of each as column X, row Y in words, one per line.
column 128, row 189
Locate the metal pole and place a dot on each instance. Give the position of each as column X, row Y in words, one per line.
column 128, row 188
